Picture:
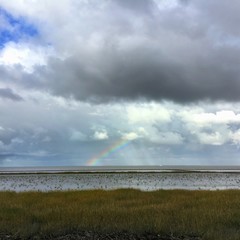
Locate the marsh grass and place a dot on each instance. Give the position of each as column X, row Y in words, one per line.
column 209, row 214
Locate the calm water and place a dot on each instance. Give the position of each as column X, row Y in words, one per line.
column 143, row 181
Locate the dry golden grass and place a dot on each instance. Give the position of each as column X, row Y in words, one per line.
column 210, row 214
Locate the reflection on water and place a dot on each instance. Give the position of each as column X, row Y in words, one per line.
column 143, row 181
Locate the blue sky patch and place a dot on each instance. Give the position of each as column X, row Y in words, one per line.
column 15, row 29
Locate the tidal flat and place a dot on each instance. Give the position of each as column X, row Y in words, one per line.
column 143, row 181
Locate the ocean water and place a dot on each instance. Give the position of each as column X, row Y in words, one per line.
column 148, row 181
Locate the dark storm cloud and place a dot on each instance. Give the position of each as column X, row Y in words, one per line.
column 178, row 55
column 144, row 73
column 185, row 52
column 140, row 6
column 7, row 93
column 221, row 15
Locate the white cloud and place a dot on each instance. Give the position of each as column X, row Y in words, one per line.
column 153, row 135
column 24, row 55
column 215, row 138
column 206, row 118
column 142, row 131
column 130, row 136
column 235, row 137
column 148, row 113
column 211, row 128
column 100, row 135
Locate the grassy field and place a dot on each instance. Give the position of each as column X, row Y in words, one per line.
column 210, row 214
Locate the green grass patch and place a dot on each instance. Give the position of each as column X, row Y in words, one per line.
column 209, row 214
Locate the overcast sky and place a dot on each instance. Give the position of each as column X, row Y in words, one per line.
column 119, row 82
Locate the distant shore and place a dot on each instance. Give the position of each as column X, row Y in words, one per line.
column 118, row 169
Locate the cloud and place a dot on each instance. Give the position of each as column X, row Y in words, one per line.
column 162, row 73
column 206, row 118
column 141, row 7
column 77, row 136
column 166, row 65
column 130, row 136
column 67, row 134
column 25, row 55
column 100, row 135
column 146, row 50
column 148, row 113
column 7, row 93
column 166, row 138
column 235, row 136
column 211, row 128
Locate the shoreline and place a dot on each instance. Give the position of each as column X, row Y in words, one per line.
column 119, row 169
column 116, row 172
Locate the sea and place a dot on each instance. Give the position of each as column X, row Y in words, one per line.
column 145, row 178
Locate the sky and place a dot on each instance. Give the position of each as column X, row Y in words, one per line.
column 119, row 82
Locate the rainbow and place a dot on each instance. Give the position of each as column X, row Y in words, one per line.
column 110, row 149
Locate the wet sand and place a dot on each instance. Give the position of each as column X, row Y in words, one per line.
column 143, row 181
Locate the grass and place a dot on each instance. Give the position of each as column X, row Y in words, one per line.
column 210, row 214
